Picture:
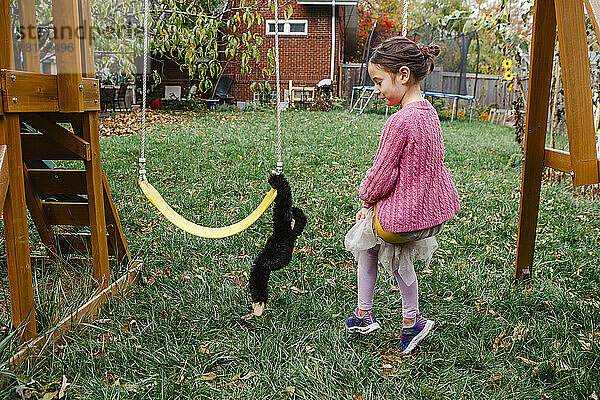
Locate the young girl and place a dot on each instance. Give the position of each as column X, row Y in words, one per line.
column 408, row 194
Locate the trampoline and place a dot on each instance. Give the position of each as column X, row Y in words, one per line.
column 448, row 80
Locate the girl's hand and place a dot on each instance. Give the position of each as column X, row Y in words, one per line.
column 361, row 214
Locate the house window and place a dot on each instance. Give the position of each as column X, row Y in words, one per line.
column 288, row 27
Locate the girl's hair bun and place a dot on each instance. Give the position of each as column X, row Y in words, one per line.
column 434, row 50
column 431, row 51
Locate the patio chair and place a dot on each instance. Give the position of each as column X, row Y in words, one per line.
column 107, row 96
column 222, row 90
column 120, row 98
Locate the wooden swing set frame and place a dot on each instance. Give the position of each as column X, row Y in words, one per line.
column 48, row 103
column 581, row 161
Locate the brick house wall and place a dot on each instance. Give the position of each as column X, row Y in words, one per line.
column 305, row 60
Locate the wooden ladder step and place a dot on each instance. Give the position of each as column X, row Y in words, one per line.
column 66, row 213
column 36, row 146
column 58, row 181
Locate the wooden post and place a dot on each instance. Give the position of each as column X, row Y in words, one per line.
column 95, row 192
column 593, row 9
column 68, row 55
column 14, row 211
column 540, row 79
column 87, row 49
column 555, row 102
column 29, row 39
column 572, row 41
column 93, row 168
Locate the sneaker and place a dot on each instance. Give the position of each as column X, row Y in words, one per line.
column 411, row 336
column 364, row 325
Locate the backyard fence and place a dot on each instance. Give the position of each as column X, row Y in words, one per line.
column 491, row 89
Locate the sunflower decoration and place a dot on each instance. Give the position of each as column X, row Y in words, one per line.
column 511, row 86
column 507, row 63
column 508, row 75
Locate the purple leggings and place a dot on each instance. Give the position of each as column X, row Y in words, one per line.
column 367, row 276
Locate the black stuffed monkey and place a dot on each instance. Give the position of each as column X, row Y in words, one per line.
column 288, row 224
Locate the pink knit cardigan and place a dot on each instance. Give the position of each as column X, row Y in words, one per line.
column 408, row 181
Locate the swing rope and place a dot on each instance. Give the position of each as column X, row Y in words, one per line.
column 154, row 196
column 404, row 17
column 279, row 161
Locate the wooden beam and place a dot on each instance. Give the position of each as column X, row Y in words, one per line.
column 29, row 92
column 34, row 92
column 17, row 233
column 558, row 159
column 538, row 98
column 593, row 10
column 577, row 85
column 36, row 146
column 68, row 55
column 34, row 204
column 83, row 315
column 66, row 213
column 95, row 192
column 87, row 39
column 60, row 135
column 113, row 225
column 6, row 48
column 14, row 212
column 29, row 36
column 91, row 94
column 58, row 181
column 3, row 175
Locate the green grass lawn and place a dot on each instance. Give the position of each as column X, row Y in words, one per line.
column 181, row 337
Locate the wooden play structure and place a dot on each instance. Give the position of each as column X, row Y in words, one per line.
column 581, row 161
column 63, row 109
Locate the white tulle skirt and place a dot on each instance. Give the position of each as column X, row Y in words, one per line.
column 392, row 257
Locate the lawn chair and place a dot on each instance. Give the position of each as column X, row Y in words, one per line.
column 222, row 90
column 120, row 98
column 107, row 96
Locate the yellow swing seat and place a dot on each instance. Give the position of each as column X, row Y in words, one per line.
column 203, row 231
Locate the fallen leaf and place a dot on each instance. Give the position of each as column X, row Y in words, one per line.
column 63, row 387
column 203, row 350
column 290, row 390
column 248, row 376
column 520, row 332
column 585, row 346
column 309, row 348
column 493, row 378
column 388, row 369
column 594, row 396
column 526, row 361
column 209, row 376
column 295, row 290
column 561, row 366
column 499, row 338
column 49, row 396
